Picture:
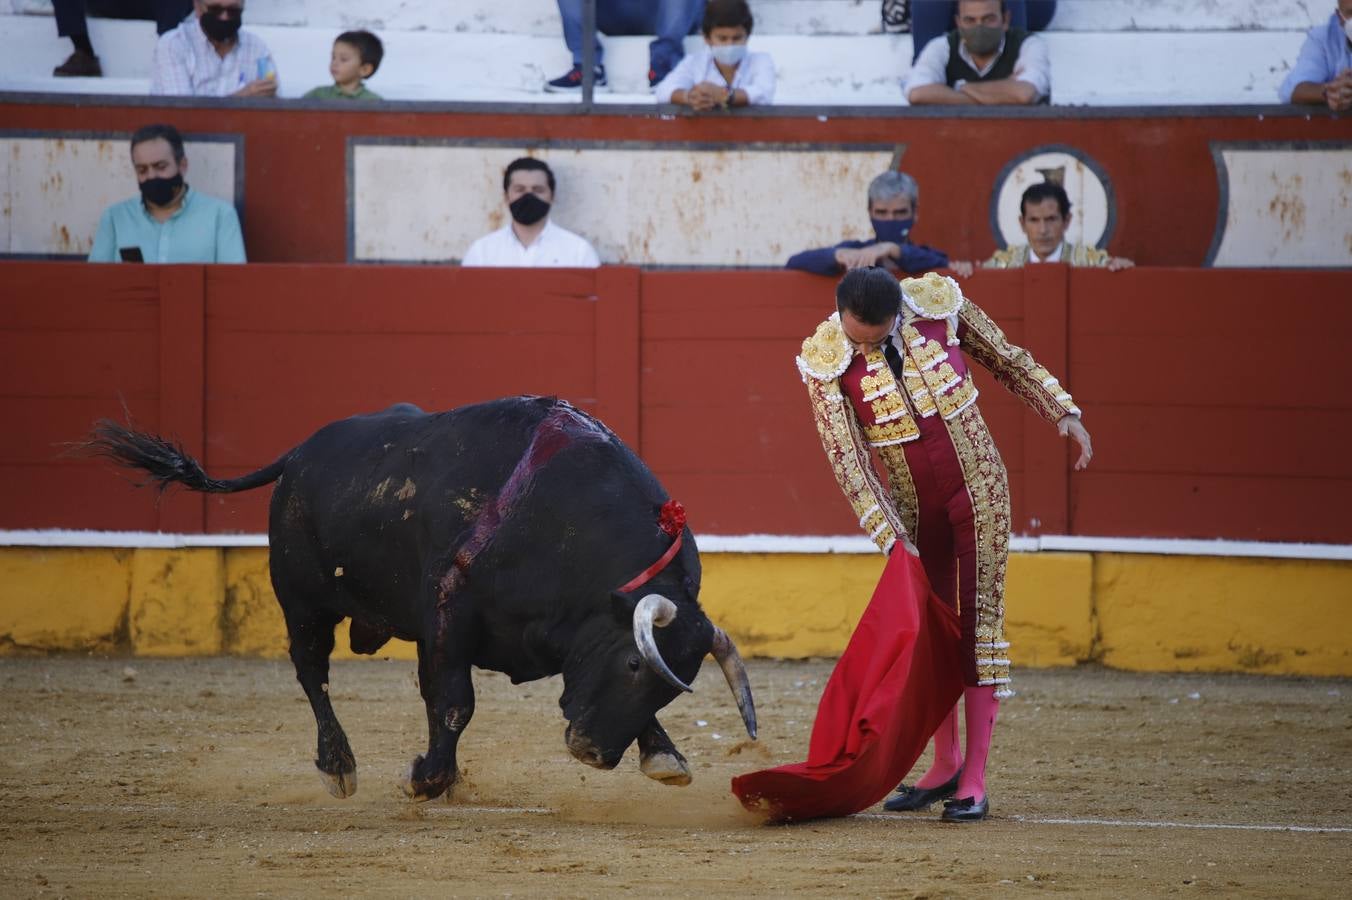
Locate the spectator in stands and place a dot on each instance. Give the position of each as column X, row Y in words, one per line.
column 209, row 56
column 356, row 56
column 983, row 60
column 1322, row 75
column 929, row 19
column 721, row 74
column 669, row 20
column 893, row 207
column 1044, row 213
column 71, row 23
column 530, row 240
column 169, row 222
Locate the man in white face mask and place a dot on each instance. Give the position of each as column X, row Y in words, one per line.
column 1322, row 75
column 722, row 74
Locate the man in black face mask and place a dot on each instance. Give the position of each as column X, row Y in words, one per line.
column 893, row 204
column 168, row 222
column 209, row 55
column 530, row 239
column 981, row 61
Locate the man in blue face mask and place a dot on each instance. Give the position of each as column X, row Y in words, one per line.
column 893, row 201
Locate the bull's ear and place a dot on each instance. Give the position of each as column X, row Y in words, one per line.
column 622, row 607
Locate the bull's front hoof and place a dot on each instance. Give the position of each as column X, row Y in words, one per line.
column 668, row 768
column 342, row 785
column 421, row 785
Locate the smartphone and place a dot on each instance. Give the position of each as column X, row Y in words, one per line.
column 131, row 254
column 266, row 69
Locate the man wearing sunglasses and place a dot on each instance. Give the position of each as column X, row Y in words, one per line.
column 208, row 55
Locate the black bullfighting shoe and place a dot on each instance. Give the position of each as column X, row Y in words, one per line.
column 966, row 809
column 910, row 799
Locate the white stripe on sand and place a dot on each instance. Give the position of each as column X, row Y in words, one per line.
column 1130, row 823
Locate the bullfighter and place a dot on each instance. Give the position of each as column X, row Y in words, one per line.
column 888, row 372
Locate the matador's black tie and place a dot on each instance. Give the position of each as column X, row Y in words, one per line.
column 893, row 356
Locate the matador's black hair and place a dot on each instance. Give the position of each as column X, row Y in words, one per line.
column 872, row 295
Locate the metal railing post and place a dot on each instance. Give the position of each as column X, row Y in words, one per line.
column 588, row 53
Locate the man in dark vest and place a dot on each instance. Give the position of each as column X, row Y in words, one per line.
column 982, row 60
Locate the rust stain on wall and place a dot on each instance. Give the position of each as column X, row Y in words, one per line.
column 1288, row 207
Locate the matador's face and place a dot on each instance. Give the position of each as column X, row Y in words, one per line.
column 862, row 336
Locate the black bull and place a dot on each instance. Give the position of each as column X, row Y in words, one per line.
column 496, row 536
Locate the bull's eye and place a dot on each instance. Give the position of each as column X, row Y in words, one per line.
column 634, row 663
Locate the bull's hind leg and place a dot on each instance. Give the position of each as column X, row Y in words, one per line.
column 658, row 757
column 311, row 644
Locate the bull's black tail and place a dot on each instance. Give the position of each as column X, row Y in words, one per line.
column 166, row 461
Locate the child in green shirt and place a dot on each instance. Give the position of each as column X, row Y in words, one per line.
column 356, row 56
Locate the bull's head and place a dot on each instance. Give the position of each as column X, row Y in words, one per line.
column 626, row 667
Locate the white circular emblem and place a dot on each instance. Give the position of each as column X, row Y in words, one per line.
column 1093, row 207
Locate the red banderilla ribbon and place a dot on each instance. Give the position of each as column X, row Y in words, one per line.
column 672, row 521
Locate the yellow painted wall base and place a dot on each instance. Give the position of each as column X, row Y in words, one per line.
column 1205, row 614
column 1129, row 611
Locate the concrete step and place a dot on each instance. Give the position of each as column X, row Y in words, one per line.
column 1161, row 68
column 540, row 18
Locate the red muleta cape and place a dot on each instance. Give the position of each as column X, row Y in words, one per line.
column 889, row 692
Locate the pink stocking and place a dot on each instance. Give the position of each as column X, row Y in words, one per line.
column 980, row 708
column 947, row 753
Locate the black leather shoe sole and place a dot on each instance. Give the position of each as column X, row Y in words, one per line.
column 966, row 810
column 910, row 799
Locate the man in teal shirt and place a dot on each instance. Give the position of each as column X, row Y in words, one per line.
column 169, row 222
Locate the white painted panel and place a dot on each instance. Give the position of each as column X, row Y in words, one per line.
column 1287, row 207
column 59, row 187
column 6, row 200
column 639, row 206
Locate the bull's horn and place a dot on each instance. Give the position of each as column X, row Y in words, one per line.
column 654, row 609
column 730, row 661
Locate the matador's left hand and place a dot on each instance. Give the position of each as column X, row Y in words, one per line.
column 1070, row 426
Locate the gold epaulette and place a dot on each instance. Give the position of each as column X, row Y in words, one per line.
column 1089, row 256
column 1012, row 258
column 826, row 354
column 932, row 296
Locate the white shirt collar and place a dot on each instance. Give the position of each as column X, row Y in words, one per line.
column 539, row 238
column 1054, row 256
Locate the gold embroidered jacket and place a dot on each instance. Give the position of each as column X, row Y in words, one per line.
column 1016, row 257
column 858, row 405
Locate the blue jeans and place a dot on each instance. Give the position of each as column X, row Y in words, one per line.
column 669, row 20
column 931, row 18
column 70, row 14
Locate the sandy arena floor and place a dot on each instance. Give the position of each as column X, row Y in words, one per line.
column 153, row 778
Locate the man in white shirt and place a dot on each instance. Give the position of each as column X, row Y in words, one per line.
column 209, row 56
column 982, row 61
column 721, row 74
column 530, row 240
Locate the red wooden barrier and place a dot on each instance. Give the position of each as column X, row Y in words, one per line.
column 1211, row 416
